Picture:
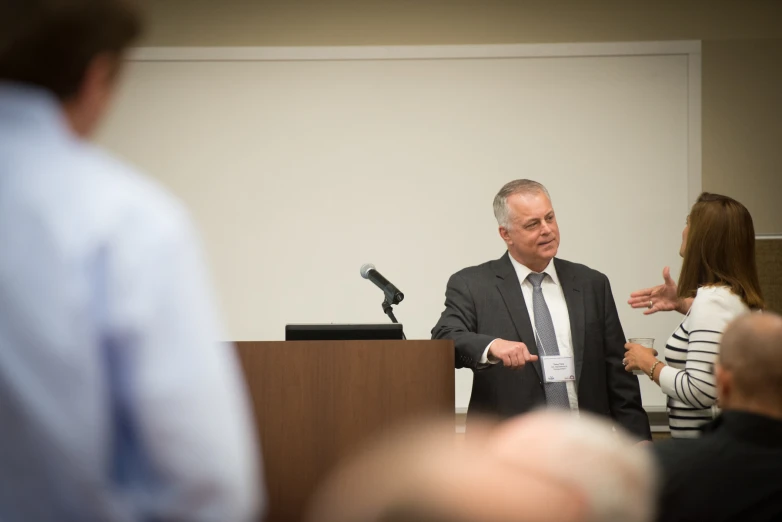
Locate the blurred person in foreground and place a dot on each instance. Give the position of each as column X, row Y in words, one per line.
column 542, row 467
column 733, row 473
column 718, row 282
column 617, row 477
column 116, row 401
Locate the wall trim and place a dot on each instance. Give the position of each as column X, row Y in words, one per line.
column 415, row 52
column 694, row 128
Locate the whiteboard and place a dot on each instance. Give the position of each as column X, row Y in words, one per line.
column 301, row 164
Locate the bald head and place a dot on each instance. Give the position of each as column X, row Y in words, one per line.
column 749, row 375
column 617, row 477
column 546, row 466
column 422, row 474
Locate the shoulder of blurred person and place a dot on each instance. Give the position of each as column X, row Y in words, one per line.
column 684, row 462
column 90, row 196
column 60, row 61
column 732, row 472
column 678, row 457
column 107, row 302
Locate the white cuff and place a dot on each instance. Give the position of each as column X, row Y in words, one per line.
column 485, row 357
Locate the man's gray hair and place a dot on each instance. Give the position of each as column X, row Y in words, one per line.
column 517, row 186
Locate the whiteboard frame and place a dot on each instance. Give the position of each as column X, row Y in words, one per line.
column 689, row 48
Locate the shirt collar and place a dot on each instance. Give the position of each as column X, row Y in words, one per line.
column 28, row 106
column 522, row 271
column 750, row 427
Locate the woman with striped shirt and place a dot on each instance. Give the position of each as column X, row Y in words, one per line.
column 718, row 282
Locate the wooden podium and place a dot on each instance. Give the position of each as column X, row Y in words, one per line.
column 314, row 401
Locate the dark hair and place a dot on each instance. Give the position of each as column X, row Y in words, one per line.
column 51, row 43
column 720, row 250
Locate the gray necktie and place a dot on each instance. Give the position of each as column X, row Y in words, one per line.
column 556, row 392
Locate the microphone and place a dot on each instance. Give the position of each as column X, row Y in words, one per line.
column 393, row 295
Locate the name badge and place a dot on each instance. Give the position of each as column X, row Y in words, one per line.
column 558, row 368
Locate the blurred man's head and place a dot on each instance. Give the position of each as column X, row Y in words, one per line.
column 749, row 373
column 71, row 48
column 423, row 475
column 546, row 466
column 615, row 476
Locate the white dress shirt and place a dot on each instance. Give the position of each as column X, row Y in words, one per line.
column 557, row 306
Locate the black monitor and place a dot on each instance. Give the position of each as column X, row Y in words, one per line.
column 343, row 332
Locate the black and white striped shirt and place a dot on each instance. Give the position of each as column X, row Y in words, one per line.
column 690, row 356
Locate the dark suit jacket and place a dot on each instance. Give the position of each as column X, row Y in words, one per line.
column 485, row 302
column 733, row 473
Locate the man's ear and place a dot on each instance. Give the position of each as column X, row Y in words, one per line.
column 505, row 236
column 86, row 108
column 724, row 383
column 101, row 74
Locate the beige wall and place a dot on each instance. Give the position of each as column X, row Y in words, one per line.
column 742, row 125
column 742, row 55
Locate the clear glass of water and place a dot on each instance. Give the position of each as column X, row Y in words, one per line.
column 646, row 342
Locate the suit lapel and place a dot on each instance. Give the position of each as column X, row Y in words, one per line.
column 510, row 289
column 574, row 297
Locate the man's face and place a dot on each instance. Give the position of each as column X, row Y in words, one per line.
column 533, row 237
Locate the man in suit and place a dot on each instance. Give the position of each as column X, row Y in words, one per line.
column 734, row 471
column 529, row 318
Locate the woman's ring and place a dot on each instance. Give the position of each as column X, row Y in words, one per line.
column 650, row 303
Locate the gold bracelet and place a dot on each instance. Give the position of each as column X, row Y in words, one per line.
column 651, row 372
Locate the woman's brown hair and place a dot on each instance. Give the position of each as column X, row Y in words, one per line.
column 720, row 250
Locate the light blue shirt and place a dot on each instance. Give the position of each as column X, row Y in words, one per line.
column 117, row 403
